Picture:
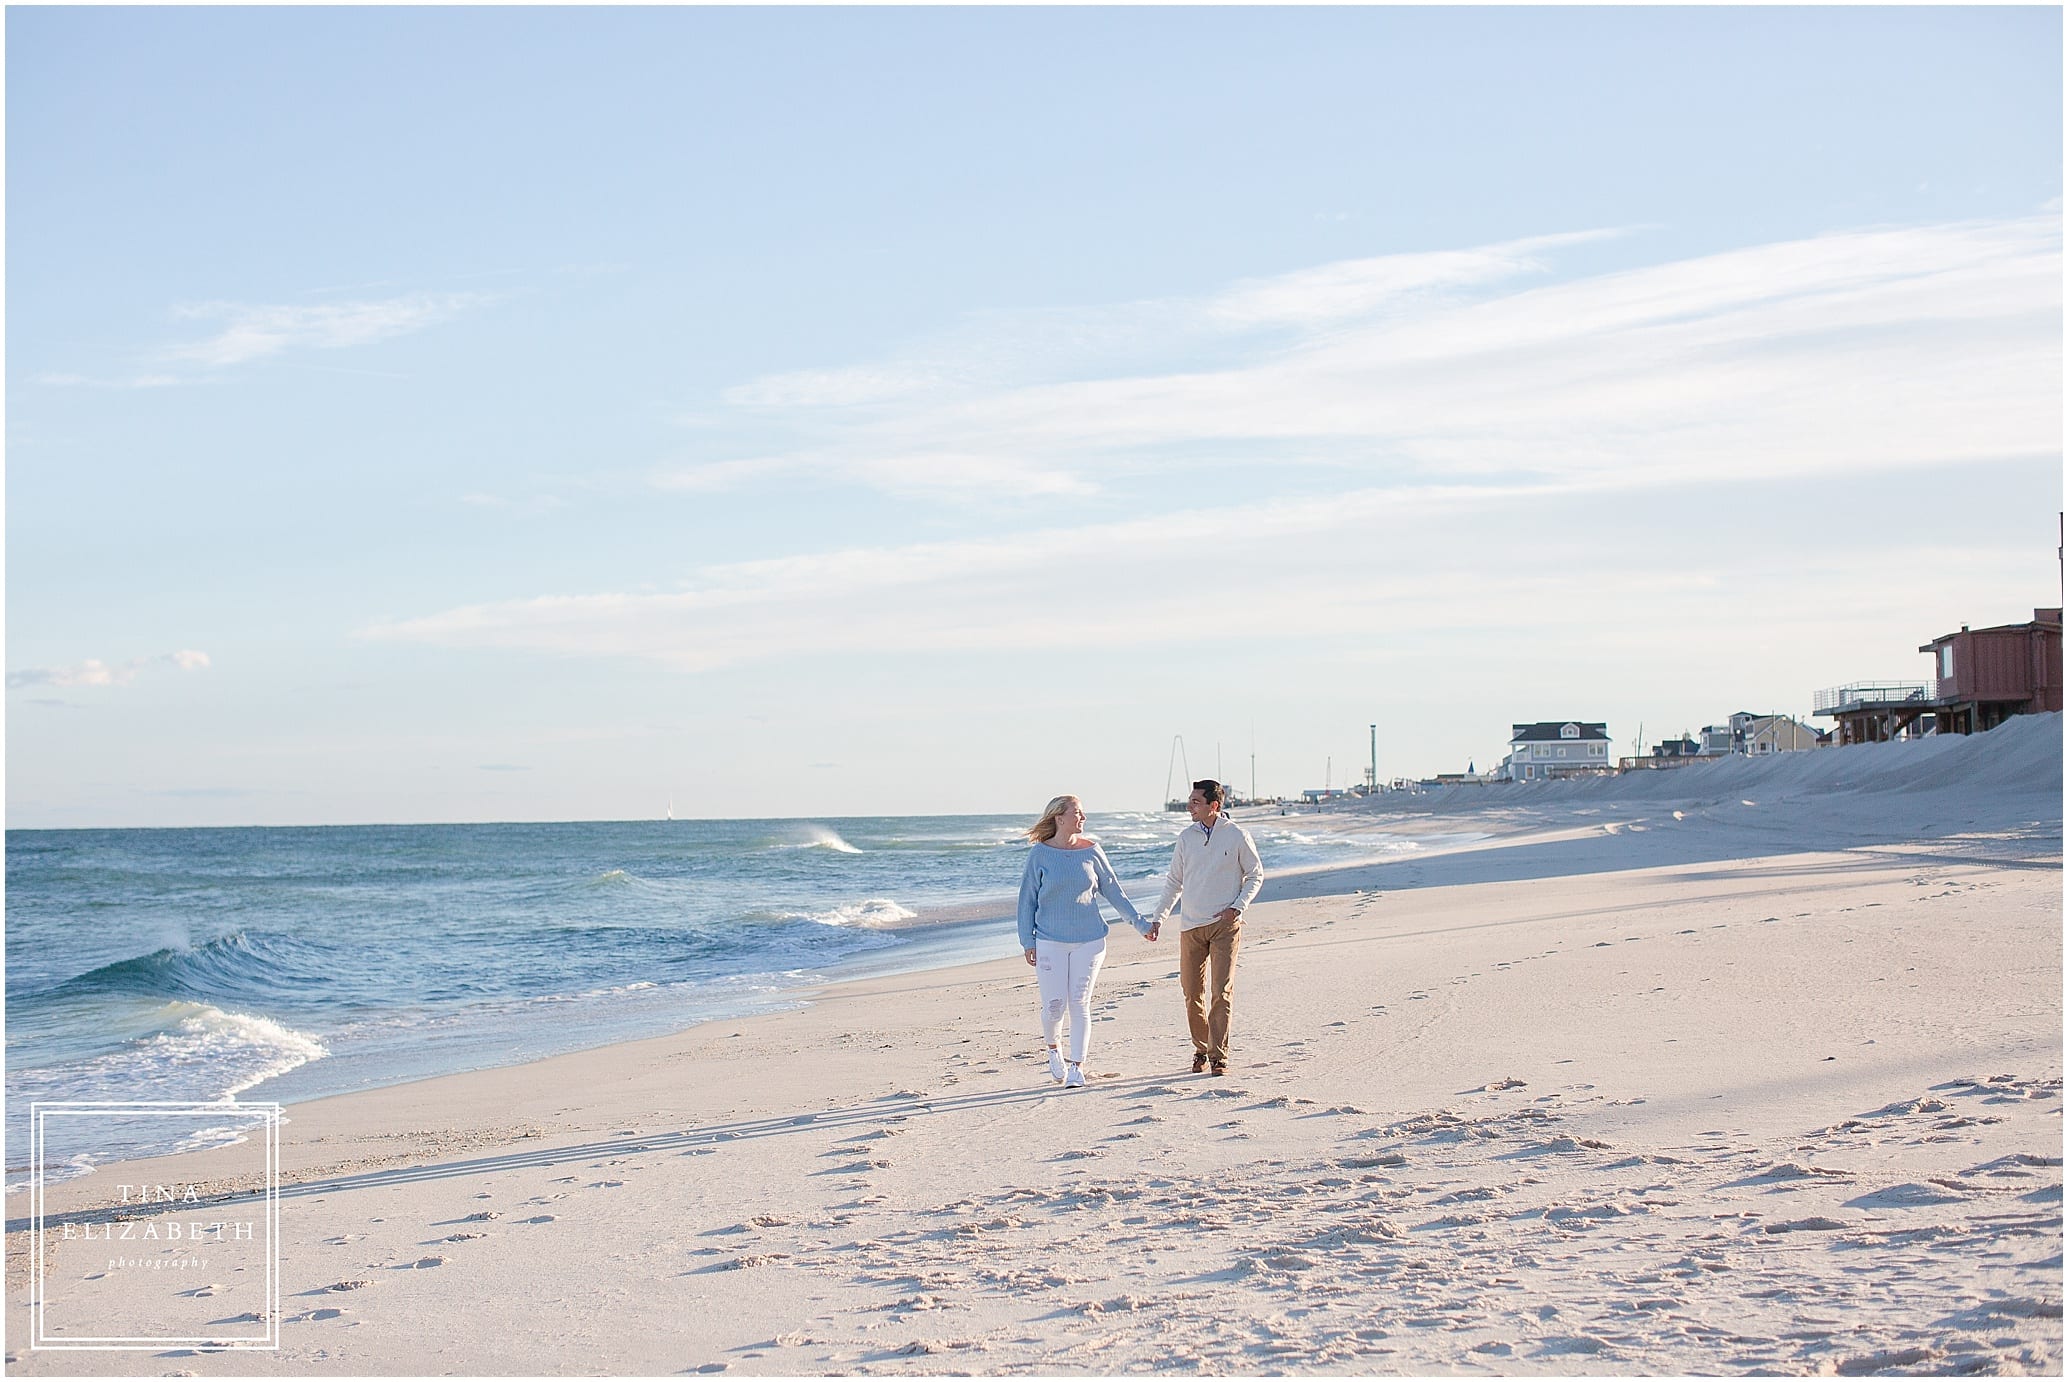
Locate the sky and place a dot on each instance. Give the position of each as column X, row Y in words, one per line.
column 553, row 414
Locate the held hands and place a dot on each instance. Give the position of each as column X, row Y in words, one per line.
column 1155, row 930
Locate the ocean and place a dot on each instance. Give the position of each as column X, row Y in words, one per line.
column 286, row 964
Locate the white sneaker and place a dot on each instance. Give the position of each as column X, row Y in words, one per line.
column 1055, row 1064
column 1075, row 1079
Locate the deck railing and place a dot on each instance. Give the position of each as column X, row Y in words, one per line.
column 1865, row 693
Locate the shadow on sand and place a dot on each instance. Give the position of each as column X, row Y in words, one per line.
column 877, row 1113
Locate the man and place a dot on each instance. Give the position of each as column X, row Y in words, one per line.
column 1216, row 873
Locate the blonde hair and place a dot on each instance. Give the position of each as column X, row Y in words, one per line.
column 1044, row 830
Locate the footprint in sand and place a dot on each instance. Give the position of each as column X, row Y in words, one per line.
column 1817, row 1224
column 1576, row 1343
column 747, row 1260
column 1908, row 1195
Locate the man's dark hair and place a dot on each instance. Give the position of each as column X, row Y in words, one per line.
column 1209, row 789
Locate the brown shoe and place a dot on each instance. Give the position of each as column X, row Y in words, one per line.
column 1220, row 1068
column 1198, row 1064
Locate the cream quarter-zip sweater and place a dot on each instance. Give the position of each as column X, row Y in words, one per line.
column 1209, row 873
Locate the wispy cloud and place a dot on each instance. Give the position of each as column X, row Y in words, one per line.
column 94, row 672
column 989, row 592
column 1380, row 571
column 1003, row 350
column 894, row 425
column 1458, row 429
column 1354, row 288
column 1874, row 349
column 253, row 331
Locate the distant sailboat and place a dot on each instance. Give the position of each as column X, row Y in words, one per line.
column 671, row 807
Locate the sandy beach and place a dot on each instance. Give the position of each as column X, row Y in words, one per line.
column 1752, row 1067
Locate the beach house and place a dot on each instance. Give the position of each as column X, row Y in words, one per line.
column 1676, row 752
column 1982, row 678
column 1758, row 735
column 1985, row 676
column 1765, row 734
column 1555, row 748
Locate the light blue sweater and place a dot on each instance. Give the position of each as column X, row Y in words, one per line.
column 1059, row 896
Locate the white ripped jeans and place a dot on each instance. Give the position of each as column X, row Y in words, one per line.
column 1067, row 970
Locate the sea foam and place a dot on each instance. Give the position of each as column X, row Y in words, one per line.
column 198, row 1052
column 876, row 911
column 817, row 837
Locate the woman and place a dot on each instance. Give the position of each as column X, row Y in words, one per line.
column 1062, row 930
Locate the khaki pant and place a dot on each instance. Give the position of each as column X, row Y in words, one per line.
column 1200, row 947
